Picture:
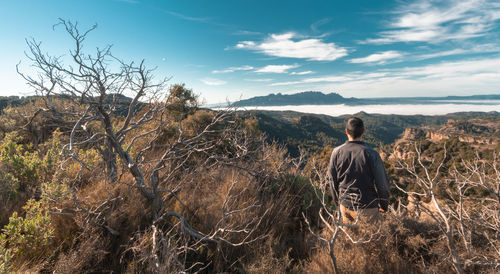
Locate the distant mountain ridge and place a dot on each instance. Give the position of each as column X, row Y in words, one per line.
column 302, row 98
column 320, row 98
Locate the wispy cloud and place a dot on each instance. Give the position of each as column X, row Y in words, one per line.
column 246, row 32
column 314, row 80
column 437, row 21
column 233, row 69
column 316, row 25
column 259, row 80
column 441, row 54
column 276, row 68
column 379, row 58
column 477, row 75
column 187, row 17
column 301, row 72
column 484, row 48
column 292, row 45
column 455, row 69
column 213, row 82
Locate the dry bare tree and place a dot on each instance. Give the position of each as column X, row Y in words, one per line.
column 460, row 214
column 428, row 186
column 477, row 216
column 85, row 94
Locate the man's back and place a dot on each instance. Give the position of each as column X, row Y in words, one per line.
column 358, row 176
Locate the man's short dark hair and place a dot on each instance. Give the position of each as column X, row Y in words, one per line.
column 355, row 127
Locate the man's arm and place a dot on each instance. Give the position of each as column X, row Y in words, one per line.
column 331, row 177
column 381, row 179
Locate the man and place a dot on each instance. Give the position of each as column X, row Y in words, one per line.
column 357, row 177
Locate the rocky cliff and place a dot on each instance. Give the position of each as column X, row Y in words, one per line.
column 479, row 133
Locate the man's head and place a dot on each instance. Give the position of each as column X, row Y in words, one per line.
column 354, row 127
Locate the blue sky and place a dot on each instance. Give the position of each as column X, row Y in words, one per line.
column 240, row 49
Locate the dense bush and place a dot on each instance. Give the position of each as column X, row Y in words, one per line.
column 75, row 220
column 27, row 238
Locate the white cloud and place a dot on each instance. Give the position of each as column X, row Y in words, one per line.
column 315, row 26
column 186, row 17
column 259, row 80
column 233, row 69
column 301, row 72
column 379, row 58
column 245, row 44
column 276, row 68
column 484, row 48
column 455, row 69
column 314, row 80
column 465, row 77
column 246, row 32
column 213, row 82
column 375, row 75
column 441, row 54
column 291, row 45
column 438, row 21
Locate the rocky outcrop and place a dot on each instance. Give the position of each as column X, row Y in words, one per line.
column 474, row 132
column 436, row 137
column 413, row 134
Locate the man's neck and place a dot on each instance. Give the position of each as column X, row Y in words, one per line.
column 354, row 140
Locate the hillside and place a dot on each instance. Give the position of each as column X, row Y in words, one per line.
column 118, row 102
column 314, row 132
column 463, row 137
column 239, row 201
column 13, row 101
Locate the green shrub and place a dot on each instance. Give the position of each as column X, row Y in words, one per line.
column 22, row 168
column 27, row 237
column 19, row 161
column 5, row 258
column 8, row 187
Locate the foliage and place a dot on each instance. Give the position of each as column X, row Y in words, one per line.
column 29, row 237
column 24, row 165
column 20, row 160
column 314, row 132
column 181, row 101
column 267, row 183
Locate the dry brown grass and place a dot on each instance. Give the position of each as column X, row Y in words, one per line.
column 403, row 245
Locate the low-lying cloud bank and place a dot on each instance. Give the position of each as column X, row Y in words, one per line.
column 402, row 109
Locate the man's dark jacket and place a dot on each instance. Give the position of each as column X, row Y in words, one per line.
column 357, row 176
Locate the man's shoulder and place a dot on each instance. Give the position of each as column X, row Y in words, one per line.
column 361, row 147
column 349, row 145
column 339, row 148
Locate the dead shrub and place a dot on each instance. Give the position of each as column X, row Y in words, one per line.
column 88, row 255
column 402, row 245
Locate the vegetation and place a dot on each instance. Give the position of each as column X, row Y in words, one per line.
column 94, row 181
column 314, row 132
